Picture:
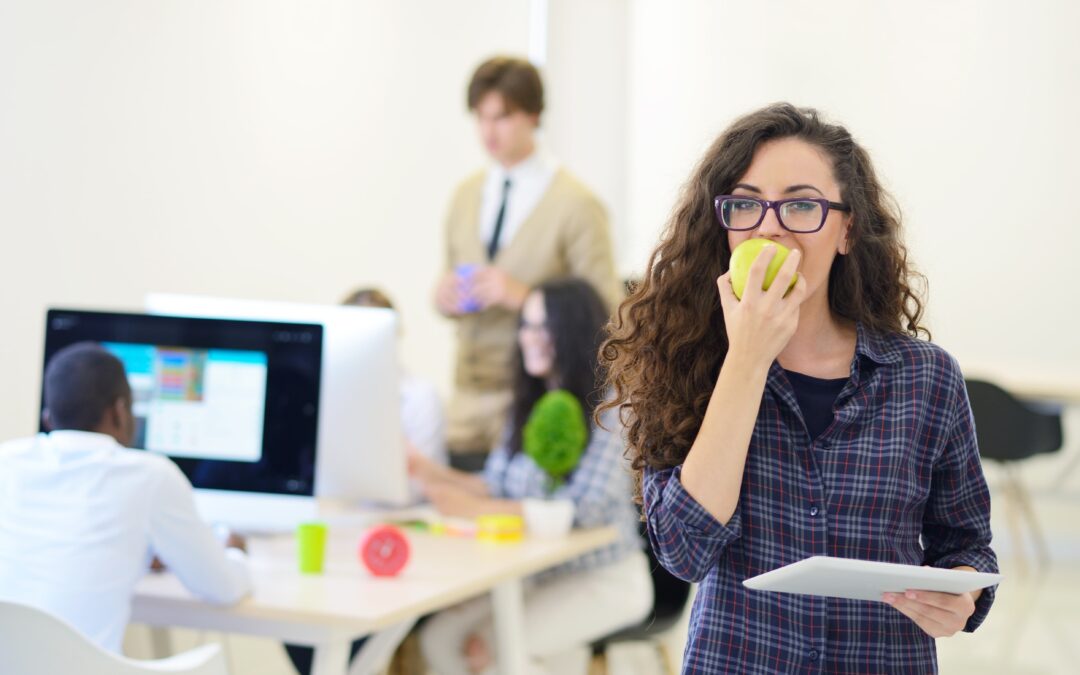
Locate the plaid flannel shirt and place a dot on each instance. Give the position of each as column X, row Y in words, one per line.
column 896, row 478
column 600, row 487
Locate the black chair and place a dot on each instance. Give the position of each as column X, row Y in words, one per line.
column 670, row 595
column 1009, row 431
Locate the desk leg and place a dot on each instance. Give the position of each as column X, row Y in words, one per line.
column 378, row 649
column 509, row 608
column 160, row 642
column 331, row 658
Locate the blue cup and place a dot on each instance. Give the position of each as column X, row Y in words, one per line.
column 465, row 273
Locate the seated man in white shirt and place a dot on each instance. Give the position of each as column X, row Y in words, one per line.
column 80, row 514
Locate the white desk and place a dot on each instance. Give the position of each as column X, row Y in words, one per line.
column 329, row 611
column 1062, row 386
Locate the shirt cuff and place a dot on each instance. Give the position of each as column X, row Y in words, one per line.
column 982, row 608
column 694, row 517
column 981, row 562
column 233, row 553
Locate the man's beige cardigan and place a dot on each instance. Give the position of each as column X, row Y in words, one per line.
column 567, row 234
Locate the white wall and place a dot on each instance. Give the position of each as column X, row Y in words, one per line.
column 969, row 108
column 254, row 149
column 295, row 149
column 586, row 78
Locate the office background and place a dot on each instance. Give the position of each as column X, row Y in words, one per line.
column 293, row 150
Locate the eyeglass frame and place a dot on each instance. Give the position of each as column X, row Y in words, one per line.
column 539, row 328
column 766, row 204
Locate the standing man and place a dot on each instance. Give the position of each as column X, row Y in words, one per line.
column 521, row 222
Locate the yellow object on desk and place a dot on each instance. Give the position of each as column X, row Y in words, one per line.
column 500, row 528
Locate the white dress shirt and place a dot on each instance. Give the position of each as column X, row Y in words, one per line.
column 79, row 517
column 422, row 419
column 423, row 424
column 529, row 180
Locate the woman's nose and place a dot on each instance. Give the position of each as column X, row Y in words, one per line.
column 770, row 226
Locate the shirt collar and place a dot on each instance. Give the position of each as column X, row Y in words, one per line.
column 872, row 349
column 874, row 346
column 81, row 441
column 533, row 165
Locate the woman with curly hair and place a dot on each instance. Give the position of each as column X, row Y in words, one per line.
column 789, row 424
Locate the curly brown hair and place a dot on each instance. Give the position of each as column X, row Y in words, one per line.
column 667, row 342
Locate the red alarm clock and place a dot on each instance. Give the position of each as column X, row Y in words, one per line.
column 384, row 550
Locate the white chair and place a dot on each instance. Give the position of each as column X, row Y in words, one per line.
column 378, row 650
column 33, row 642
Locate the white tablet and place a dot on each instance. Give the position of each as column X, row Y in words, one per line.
column 864, row 579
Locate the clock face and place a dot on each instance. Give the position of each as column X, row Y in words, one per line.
column 384, row 551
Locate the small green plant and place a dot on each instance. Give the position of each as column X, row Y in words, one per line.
column 555, row 435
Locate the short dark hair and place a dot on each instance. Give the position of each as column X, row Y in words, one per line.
column 517, row 80
column 368, row 297
column 82, row 381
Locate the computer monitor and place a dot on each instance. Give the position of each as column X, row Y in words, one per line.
column 361, row 452
column 235, row 404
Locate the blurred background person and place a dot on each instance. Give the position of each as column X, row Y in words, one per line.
column 520, row 222
column 422, row 420
column 567, row 608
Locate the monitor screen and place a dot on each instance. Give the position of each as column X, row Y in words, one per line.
column 196, row 402
column 234, row 403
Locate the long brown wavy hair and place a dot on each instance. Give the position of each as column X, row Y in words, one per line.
column 668, row 340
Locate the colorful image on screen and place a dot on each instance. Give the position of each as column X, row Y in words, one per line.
column 199, row 403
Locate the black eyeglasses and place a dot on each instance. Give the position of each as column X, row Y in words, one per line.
column 801, row 214
column 523, row 325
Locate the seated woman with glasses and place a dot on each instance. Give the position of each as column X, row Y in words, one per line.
column 789, row 424
column 561, row 326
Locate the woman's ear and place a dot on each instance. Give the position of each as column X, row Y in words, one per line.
column 845, row 244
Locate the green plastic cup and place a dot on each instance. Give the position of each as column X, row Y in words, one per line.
column 311, row 547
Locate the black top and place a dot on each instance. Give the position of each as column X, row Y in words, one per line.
column 816, row 398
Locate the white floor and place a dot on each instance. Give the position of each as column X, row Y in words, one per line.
column 1034, row 627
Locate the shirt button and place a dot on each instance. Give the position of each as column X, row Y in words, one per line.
column 813, row 511
column 812, row 654
column 824, row 445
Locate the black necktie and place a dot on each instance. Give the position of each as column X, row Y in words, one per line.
column 493, row 245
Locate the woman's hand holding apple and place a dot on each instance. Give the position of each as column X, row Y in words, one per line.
column 760, row 325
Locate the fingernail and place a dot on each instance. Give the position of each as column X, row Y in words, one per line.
column 910, row 595
column 889, row 598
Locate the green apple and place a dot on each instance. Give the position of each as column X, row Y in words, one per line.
column 746, row 253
